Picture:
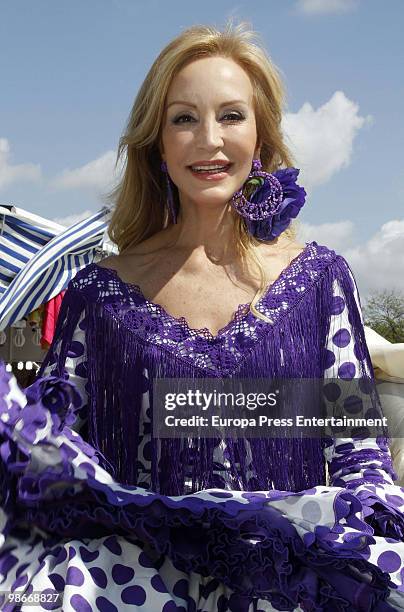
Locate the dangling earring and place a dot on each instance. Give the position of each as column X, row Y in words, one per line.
column 273, row 200
column 170, row 196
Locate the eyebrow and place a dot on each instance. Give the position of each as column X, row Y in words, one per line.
column 194, row 105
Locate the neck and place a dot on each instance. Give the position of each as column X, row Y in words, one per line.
column 209, row 232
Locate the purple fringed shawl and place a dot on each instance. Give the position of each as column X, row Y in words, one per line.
column 128, row 336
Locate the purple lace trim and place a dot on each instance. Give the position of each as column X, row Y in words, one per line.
column 222, row 353
column 285, row 285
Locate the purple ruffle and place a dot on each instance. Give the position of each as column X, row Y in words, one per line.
column 251, row 547
column 220, row 546
column 385, row 519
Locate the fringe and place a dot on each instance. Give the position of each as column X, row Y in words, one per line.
column 294, row 347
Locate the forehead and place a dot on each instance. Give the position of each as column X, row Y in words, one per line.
column 209, row 78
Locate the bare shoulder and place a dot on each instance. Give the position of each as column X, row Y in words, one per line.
column 296, row 247
column 121, row 263
column 129, row 268
column 284, row 249
column 136, row 262
column 143, row 249
column 108, row 262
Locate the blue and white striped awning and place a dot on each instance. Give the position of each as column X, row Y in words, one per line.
column 22, row 235
column 38, row 258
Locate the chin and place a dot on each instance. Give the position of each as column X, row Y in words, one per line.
column 220, row 197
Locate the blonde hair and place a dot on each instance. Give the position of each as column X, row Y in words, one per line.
column 139, row 199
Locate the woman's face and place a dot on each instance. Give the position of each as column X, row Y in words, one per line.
column 209, row 116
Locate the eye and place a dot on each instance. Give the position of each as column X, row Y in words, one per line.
column 177, row 120
column 235, row 117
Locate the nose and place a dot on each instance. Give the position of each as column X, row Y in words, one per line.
column 209, row 134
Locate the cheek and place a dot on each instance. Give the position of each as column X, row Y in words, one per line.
column 182, row 150
column 169, row 141
column 251, row 136
column 242, row 141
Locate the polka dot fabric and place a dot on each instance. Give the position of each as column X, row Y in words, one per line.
column 104, row 545
column 345, row 362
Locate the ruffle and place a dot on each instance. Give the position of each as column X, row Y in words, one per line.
column 381, row 509
column 53, row 481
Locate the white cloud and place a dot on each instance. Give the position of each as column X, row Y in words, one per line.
column 97, row 175
column 334, row 235
column 326, row 6
column 377, row 264
column 14, row 173
column 322, row 140
column 70, row 220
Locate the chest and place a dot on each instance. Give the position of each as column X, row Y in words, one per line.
column 180, row 318
column 203, row 304
column 205, row 299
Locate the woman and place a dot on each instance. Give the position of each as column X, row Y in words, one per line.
column 209, row 283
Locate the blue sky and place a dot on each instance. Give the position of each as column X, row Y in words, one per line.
column 69, row 72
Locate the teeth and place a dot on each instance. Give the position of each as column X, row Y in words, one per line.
column 208, row 167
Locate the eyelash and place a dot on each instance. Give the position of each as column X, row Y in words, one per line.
column 238, row 118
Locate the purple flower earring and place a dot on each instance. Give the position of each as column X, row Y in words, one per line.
column 170, row 196
column 275, row 199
